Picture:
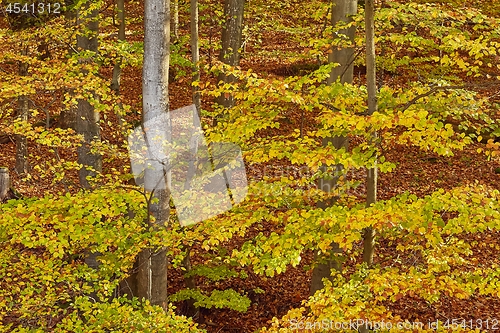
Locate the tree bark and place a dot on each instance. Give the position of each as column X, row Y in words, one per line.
column 22, row 114
column 195, row 55
column 371, row 80
column 4, row 183
column 152, row 263
column 342, row 11
column 371, row 179
column 175, row 21
column 117, row 70
column 231, row 43
column 87, row 120
column 190, row 283
column 67, row 118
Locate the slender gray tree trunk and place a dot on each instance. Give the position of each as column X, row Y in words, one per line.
column 190, row 282
column 231, row 43
column 19, row 23
column 341, row 12
column 129, row 285
column 371, row 179
column 175, row 20
column 195, row 54
column 4, row 183
column 152, row 263
column 117, row 69
column 371, row 81
column 67, row 117
column 22, row 114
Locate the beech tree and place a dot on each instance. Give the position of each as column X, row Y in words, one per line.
column 87, row 117
column 4, row 183
column 342, row 56
column 152, row 275
column 22, row 114
column 175, row 20
column 21, row 22
column 117, row 68
column 371, row 84
column 65, row 307
column 195, row 54
column 232, row 30
column 115, row 81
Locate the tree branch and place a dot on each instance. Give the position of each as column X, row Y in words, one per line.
column 430, row 92
column 434, row 89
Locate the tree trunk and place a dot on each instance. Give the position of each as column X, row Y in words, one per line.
column 371, row 180
column 87, row 124
column 152, row 275
column 195, row 52
column 342, row 11
column 67, row 118
column 231, row 43
column 4, row 183
column 190, row 283
column 22, row 114
column 87, row 120
column 129, row 285
column 117, row 70
column 175, row 21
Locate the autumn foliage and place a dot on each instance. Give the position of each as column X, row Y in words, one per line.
column 438, row 71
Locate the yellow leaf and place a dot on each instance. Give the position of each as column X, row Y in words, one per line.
column 479, row 138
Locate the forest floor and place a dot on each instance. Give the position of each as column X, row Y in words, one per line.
column 417, row 172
